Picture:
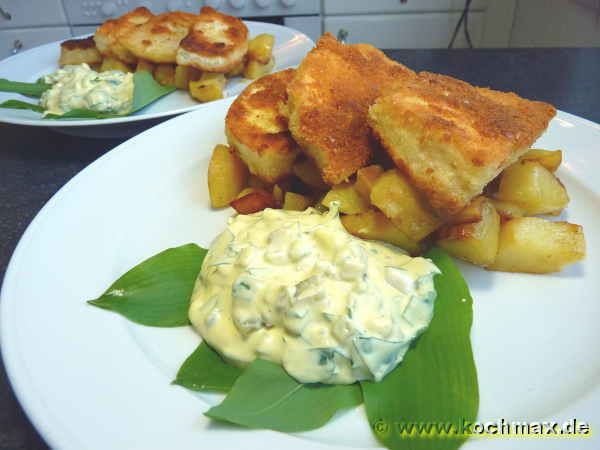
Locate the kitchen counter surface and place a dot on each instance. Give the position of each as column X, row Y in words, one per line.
column 36, row 162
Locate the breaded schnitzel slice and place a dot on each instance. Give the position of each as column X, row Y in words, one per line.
column 451, row 138
column 158, row 39
column 79, row 51
column 328, row 100
column 216, row 42
column 108, row 34
column 258, row 131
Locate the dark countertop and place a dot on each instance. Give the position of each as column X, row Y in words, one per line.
column 36, row 162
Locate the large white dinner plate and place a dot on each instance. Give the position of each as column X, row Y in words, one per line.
column 89, row 379
column 290, row 48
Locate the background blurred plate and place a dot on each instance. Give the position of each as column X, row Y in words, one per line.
column 290, row 48
column 89, row 379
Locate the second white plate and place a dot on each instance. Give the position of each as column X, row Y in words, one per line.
column 290, row 48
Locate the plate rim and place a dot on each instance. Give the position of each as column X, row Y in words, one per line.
column 125, row 119
column 34, row 406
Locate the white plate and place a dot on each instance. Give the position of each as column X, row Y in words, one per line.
column 89, row 379
column 290, row 48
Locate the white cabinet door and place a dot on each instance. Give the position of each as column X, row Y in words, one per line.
column 397, row 6
column 28, row 13
column 19, row 39
column 426, row 30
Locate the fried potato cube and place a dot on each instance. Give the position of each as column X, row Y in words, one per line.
column 296, row 202
column 255, row 69
column 227, row 176
column 535, row 245
column 145, row 66
column 256, row 182
column 110, row 63
column 255, row 200
column 473, row 212
column 260, row 48
column 550, row 159
column 185, row 74
column 366, row 178
column 278, row 194
column 208, row 88
column 351, row 202
column 402, row 204
column 79, row 51
column 507, row 210
column 475, row 242
column 534, row 188
column 237, row 70
column 307, row 172
column 374, row 225
column 165, row 74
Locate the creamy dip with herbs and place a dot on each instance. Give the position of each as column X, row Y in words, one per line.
column 80, row 87
column 295, row 288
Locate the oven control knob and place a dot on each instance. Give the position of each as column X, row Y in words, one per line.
column 238, row 4
column 108, row 8
column 174, row 5
column 263, row 3
column 213, row 3
column 288, row 3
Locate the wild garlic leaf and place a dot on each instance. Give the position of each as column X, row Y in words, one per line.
column 147, row 90
column 157, row 291
column 18, row 104
column 437, row 380
column 205, row 370
column 29, row 89
column 265, row 396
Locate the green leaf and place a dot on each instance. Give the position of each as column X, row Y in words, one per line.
column 18, row 104
column 29, row 89
column 147, row 90
column 265, row 396
column 437, row 381
column 157, row 291
column 205, row 370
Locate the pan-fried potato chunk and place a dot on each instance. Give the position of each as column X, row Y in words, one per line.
column 165, row 74
column 110, row 63
column 255, row 200
column 399, row 201
column 475, row 242
column 255, row 69
column 366, row 178
column 185, row 74
column 296, row 202
column 534, row 188
column 374, row 225
column 145, row 66
column 208, row 88
column 308, row 173
column 227, row 176
column 550, row 159
column 351, row 202
column 535, row 245
column 79, row 51
column 260, row 48
column 507, row 210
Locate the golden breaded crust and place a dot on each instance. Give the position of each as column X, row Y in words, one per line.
column 108, row 35
column 158, row 39
column 216, row 42
column 79, row 51
column 258, row 131
column 452, row 138
column 328, row 100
